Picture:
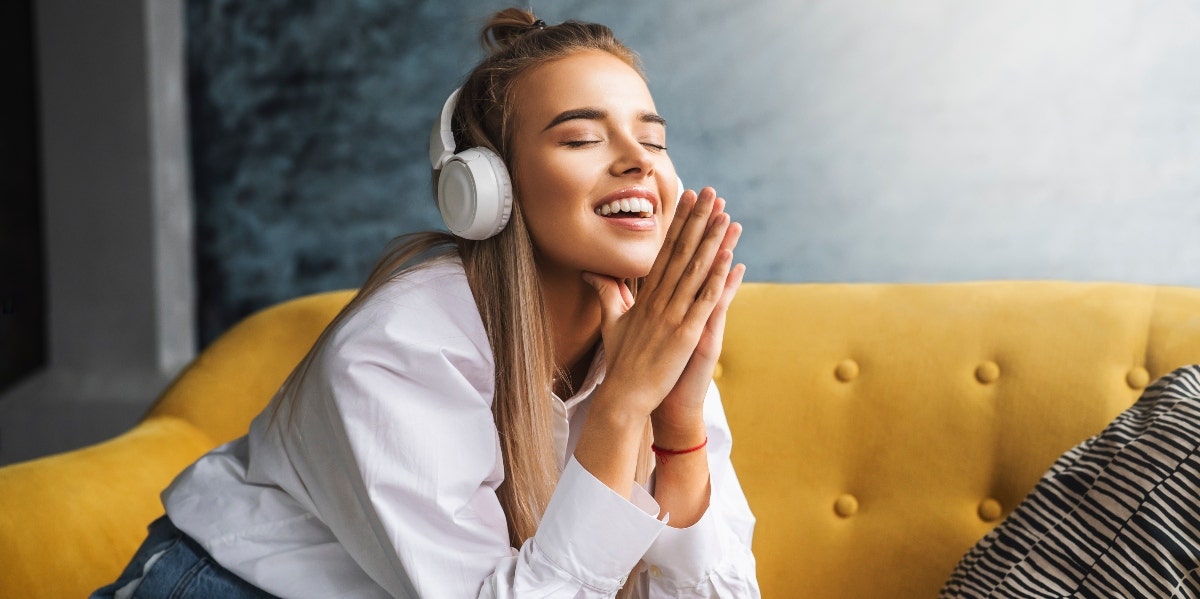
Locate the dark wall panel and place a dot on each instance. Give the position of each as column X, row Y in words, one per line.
column 22, row 290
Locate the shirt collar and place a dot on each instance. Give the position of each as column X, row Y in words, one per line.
column 595, row 376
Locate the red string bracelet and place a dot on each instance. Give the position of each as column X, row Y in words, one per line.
column 663, row 453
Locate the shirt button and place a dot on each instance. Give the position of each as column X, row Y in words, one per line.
column 655, row 571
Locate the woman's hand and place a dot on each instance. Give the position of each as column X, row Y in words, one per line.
column 649, row 346
column 679, row 419
column 669, row 340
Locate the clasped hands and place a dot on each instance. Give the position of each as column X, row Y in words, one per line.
column 663, row 348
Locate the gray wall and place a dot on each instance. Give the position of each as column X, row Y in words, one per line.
column 117, row 214
column 947, row 140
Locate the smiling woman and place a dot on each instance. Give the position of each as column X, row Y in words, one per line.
column 482, row 419
column 603, row 144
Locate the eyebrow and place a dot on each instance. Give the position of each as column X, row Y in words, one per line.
column 595, row 114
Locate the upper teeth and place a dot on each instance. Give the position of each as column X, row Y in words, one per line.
column 636, row 205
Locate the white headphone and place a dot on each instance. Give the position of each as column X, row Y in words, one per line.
column 474, row 193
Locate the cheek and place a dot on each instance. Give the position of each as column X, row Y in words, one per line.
column 547, row 186
column 669, row 207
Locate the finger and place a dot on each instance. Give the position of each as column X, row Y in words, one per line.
column 711, row 293
column 733, row 232
column 681, row 258
column 732, row 283
column 671, row 245
column 612, row 293
column 714, row 329
column 701, row 265
column 684, row 207
column 718, row 208
column 732, row 235
column 626, row 295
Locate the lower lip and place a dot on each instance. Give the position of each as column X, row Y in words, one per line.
column 632, row 224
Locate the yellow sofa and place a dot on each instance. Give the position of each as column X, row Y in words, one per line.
column 879, row 430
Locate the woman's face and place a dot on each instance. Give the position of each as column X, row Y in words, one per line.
column 587, row 139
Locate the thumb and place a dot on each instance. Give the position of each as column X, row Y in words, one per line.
column 615, row 298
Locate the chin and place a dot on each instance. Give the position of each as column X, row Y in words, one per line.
column 625, row 270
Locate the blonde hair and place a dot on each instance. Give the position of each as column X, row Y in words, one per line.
column 512, row 307
column 502, row 271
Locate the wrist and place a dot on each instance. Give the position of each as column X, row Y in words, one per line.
column 621, row 404
column 610, row 442
column 664, row 454
column 680, row 432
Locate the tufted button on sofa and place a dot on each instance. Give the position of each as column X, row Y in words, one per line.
column 879, row 430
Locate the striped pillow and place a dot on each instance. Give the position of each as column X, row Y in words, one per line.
column 1117, row 516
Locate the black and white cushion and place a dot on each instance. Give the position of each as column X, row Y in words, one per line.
column 1117, row 516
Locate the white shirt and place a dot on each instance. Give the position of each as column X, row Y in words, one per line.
column 378, row 478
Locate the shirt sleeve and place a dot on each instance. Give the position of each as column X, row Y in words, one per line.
column 712, row 557
column 393, row 438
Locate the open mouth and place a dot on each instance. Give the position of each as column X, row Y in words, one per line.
column 627, row 208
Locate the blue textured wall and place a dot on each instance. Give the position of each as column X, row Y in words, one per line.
column 857, row 141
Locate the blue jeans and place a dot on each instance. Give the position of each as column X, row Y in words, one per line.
column 183, row 571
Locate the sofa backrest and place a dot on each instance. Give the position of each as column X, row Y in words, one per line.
column 881, row 430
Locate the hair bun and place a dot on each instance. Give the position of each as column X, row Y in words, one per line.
column 506, row 26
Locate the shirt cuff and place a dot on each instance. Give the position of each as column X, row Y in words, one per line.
column 592, row 533
column 688, row 556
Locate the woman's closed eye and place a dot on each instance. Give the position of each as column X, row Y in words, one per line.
column 581, row 143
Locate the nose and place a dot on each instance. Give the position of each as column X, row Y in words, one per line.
column 632, row 158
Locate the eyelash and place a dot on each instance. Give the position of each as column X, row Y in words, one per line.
column 580, row 144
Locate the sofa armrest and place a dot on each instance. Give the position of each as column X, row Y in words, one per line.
column 81, row 515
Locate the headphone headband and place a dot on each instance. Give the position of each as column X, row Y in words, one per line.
column 441, row 139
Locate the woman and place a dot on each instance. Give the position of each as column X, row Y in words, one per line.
column 484, row 422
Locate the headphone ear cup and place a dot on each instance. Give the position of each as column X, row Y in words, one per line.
column 475, row 194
